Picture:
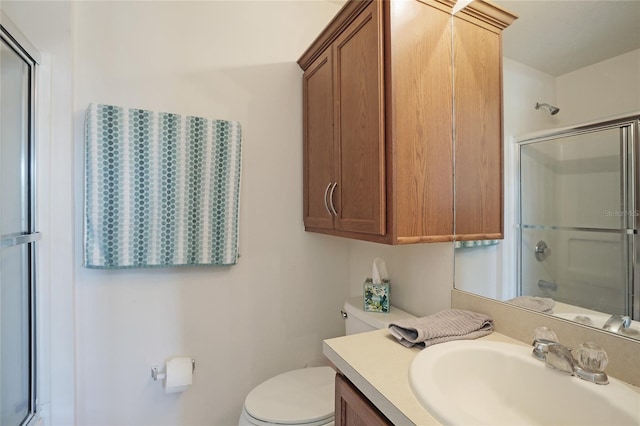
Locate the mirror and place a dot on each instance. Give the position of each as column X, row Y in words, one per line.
column 582, row 57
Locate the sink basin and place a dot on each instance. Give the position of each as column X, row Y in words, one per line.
column 493, row 383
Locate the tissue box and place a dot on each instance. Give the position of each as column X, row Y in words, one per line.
column 377, row 296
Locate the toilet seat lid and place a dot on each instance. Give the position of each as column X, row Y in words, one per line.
column 295, row 397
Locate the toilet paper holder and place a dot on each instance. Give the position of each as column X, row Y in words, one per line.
column 156, row 374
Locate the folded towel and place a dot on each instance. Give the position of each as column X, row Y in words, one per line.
column 540, row 304
column 447, row 325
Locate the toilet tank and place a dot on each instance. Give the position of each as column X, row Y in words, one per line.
column 359, row 321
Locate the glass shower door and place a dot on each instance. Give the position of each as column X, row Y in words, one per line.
column 17, row 235
column 576, row 219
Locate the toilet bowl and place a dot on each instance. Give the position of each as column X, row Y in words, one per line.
column 306, row 396
column 298, row 397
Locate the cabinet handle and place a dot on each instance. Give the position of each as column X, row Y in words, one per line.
column 326, row 191
column 333, row 209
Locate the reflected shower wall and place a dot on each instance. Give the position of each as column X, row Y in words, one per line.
column 577, row 216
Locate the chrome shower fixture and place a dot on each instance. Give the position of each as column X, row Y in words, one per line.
column 552, row 110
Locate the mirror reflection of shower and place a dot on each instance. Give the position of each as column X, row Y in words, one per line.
column 552, row 110
column 578, row 194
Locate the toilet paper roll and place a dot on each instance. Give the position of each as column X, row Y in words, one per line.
column 179, row 374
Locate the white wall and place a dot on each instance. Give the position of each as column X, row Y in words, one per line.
column 603, row 89
column 421, row 275
column 242, row 324
column 523, row 86
column 269, row 313
column 229, row 60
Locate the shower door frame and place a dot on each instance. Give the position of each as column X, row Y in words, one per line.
column 629, row 125
column 13, row 38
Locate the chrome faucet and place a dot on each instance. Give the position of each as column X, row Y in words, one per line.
column 588, row 364
column 616, row 323
column 560, row 358
column 554, row 354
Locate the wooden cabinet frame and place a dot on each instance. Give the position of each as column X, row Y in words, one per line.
column 353, row 408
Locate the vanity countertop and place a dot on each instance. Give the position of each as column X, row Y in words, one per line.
column 379, row 367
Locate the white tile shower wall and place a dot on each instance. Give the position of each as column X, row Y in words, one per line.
column 540, row 199
column 590, row 265
column 230, row 60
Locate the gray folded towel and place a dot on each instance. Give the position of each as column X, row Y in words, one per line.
column 447, row 325
column 540, row 304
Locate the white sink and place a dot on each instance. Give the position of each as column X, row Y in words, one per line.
column 493, row 383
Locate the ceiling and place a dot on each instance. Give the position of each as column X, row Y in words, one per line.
column 557, row 37
column 560, row 36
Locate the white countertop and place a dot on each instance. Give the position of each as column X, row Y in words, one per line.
column 379, row 366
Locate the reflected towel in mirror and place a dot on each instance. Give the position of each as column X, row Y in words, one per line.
column 539, row 304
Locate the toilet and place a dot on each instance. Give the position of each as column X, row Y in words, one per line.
column 306, row 396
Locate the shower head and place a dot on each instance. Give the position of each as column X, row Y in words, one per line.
column 552, row 110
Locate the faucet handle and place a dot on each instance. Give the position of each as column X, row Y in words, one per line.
column 543, row 337
column 591, row 362
column 591, row 357
column 544, row 333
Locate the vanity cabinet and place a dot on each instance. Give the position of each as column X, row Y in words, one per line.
column 353, row 408
column 378, row 131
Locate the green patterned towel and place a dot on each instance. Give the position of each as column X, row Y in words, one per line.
column 160, row 189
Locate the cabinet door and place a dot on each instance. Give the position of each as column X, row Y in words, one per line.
column 478, row 153
column 353, row 408
column 359, row 118
column 319, row 158
column 422, row 125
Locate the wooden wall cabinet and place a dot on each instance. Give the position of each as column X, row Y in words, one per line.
column 344, row 140
column 477, row 41
column 353, row 408
column 378, row 108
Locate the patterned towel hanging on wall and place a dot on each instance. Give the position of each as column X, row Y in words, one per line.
column 160, row 189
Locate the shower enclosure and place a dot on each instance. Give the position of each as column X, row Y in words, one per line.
column 18, row 233
column 578, row 209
